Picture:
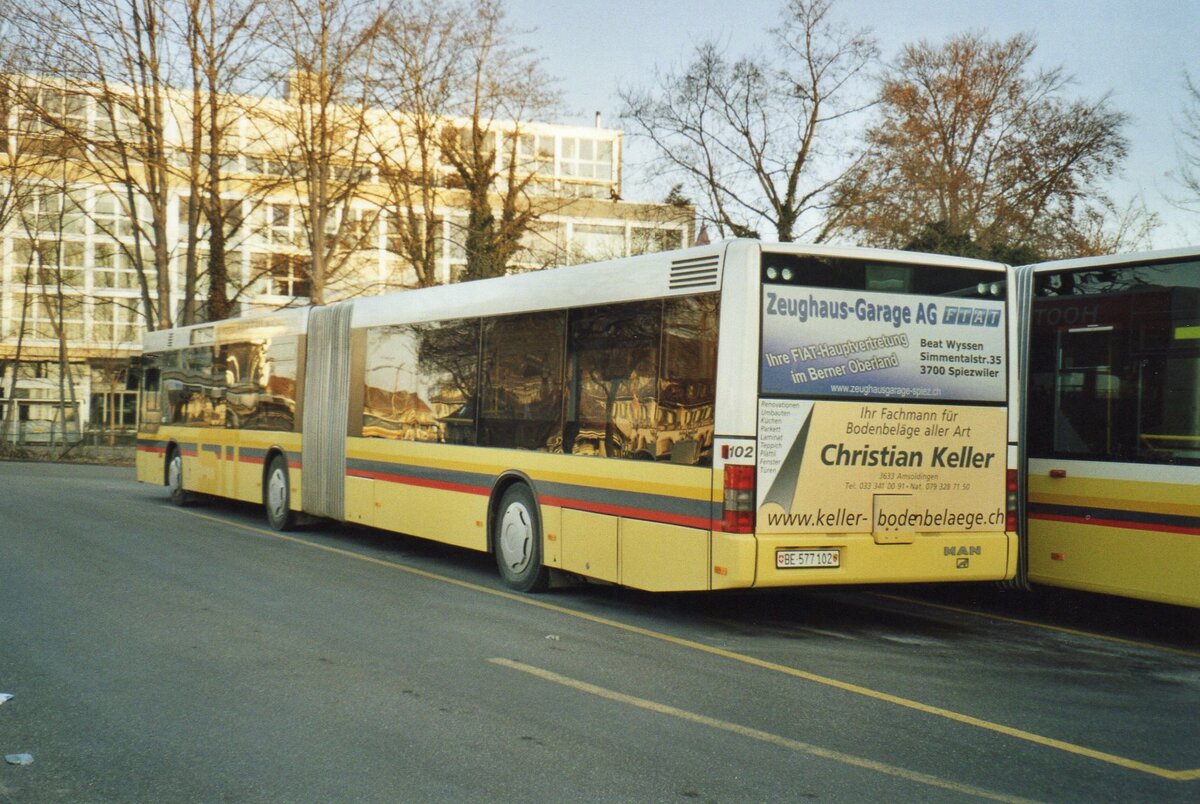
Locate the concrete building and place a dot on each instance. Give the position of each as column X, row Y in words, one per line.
column 77, row 268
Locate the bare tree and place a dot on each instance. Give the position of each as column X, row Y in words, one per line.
column 503, row 89
column 51, row 301
column 328, row 51
column 224, row 43
column 974, row 146
column 117, row 53
column 420, row 72
column 1188, row 174
column 751, row 138
column 21, row 171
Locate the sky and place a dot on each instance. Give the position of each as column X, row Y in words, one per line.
column 1137, row 50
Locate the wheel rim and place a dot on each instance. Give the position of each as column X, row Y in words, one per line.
column 277, row 495
column 516, row 537
column 175, row 474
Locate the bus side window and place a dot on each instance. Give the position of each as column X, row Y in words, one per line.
column 197, row 397
column 1115, row 365
column 257, row 382
column 447, row 377
column 420, row 382
column 173, row 392
column 522, row 378
column 612, row 387
column 151, row 396
column 688, row 380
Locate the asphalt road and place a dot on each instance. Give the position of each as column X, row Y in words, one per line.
column 161, row 654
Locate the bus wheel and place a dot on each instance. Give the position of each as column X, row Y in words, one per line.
column 179, row 496
column 277, row 496
column 518, row 541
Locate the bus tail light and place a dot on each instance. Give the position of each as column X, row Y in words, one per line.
column 739, row 498
column 1010, row 500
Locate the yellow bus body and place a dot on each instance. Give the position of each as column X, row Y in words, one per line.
column 220, row 463
column 655, row 525
column 1109, row 550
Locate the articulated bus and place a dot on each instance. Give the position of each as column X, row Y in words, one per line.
column 728, row 416
column 1110, row 424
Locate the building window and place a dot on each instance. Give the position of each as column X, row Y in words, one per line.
column 114, row 411
column 597, row 242
column 55, row 111
column 115, row 323
column 285, row 274
column 644, row 240
column 42, row 318
column 49, row 262
column 111, row 217
column 113, row 268
column 530, row 153
column 115, row 121
column 587, row 158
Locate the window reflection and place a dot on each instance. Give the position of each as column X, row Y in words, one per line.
column 613, row 380
column 246, row 385
column 260, row 382
column 151, row 398
column 523, row 381
column 421, row 381
column 689, row 377
column 633, row 380
column 1115, row 364
column 195, row 391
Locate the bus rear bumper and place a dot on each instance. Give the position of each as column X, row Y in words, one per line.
column 831, row 559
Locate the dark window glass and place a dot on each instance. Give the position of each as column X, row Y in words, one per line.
column 260, row 384
column 151, row 383
column 421, row 381
column 881, row 277
column 448, row 371
column 612, row 380
column 114, row 411
column 195, row 389
column 688, row 379
column 522, row 379
column 1115, row 364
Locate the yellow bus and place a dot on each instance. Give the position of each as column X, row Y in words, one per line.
column 1110, row 423
column 727, row 416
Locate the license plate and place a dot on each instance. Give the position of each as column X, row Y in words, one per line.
column 807, row 559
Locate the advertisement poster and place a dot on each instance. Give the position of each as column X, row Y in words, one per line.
column 845, row 343
column 879, row 467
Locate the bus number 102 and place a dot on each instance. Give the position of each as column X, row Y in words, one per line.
column 745, row 451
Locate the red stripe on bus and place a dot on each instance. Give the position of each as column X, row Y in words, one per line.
column 408, row 480
column 1117, row 523
column 561, row 502
column 259, row 461
column 633, row 513
column 152, row 450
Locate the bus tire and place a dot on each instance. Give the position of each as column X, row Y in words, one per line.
column 517, row 537
column 277, row 496
column 174, row 477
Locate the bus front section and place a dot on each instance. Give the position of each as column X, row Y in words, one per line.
column 880, row 451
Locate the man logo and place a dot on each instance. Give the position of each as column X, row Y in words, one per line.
column 963, row 550
column 963, row 563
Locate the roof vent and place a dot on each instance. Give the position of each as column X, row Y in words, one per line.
column 696, row 272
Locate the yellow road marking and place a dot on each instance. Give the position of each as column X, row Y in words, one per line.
column 998, row 728
column 1133, row 643
column 756, row 734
